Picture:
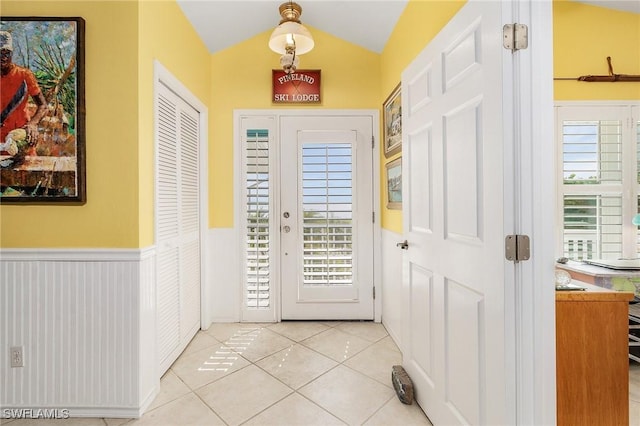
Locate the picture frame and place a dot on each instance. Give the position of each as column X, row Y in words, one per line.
column 394, row 184
column 392, row 123
column 42, row 147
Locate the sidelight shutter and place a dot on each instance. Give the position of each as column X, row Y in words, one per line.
column 258, row 222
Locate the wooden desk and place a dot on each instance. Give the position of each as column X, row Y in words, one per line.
column 592, row 364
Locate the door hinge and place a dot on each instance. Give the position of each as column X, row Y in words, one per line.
column 374, row 293
column 373, row 142
column 373, row 217
column 517, row 247
column 515, row 36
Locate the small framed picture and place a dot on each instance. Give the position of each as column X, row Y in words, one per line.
column 392, row 123
column 394, row 184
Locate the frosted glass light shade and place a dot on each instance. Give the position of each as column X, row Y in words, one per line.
column 301, row 35
column 636, row 220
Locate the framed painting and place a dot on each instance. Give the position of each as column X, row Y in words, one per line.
column 394, row 184
column 392, row 123
column 42, row 140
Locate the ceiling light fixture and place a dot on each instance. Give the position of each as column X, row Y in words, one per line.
column 290, row 38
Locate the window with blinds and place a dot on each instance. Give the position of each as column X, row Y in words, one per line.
column 592, row 226
column 327, row 206
column 592, row 152
column 600, row 163
column 638, row 177
column 257, row 190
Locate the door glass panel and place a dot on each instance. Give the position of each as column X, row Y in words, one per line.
column 327, row 205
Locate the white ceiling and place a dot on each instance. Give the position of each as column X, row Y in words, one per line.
column 367, row 23
column 223, row 23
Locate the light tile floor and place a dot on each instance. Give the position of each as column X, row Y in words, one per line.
column 289, row 373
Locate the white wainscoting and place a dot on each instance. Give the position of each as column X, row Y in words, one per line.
column 392, row 285
column 87, row 322
column 224, row 285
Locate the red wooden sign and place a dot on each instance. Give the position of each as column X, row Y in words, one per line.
column 300, row 87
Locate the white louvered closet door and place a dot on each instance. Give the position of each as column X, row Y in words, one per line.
column 177, row 225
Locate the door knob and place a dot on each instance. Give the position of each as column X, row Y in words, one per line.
column 286, row 229
column 403, row 245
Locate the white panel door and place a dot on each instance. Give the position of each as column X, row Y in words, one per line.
column 454, row 344
column 326, row 226
column 177, row 224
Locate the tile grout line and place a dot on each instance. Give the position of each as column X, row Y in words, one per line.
column 379, row 408
column 223, row 344
column 210, row 407
column 339, row 363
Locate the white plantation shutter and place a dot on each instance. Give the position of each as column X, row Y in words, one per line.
column 592, row 226
column 177, row 221
column 258, row 224
column 257, row 205
column 636, row 120
column 327, row 193
column 600, row 160
column 592, row 151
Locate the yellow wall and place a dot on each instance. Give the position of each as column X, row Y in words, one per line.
column 419, row 24
column 122, row 40
column 110, row 216
column 583, row 38
column 167, row 36
column 241, row 79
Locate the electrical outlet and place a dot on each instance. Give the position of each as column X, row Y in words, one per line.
column 17, row 356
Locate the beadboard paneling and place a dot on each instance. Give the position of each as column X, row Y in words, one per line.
column 86, row 320
column 226, row 288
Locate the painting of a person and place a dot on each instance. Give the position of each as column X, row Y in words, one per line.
column 19, row 128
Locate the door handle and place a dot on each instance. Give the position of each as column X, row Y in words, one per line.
column 403, row 245
column 286, row 229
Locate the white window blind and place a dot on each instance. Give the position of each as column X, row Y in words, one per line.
column 599, row 181
column 637, row 126
column 327, row 207
column 592, row 226
column 592, row 152
column 257, row 204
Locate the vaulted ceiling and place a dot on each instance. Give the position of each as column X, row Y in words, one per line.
column 367, row 23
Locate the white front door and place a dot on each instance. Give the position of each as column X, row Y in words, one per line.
column 455, row 330
column 326, row 225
